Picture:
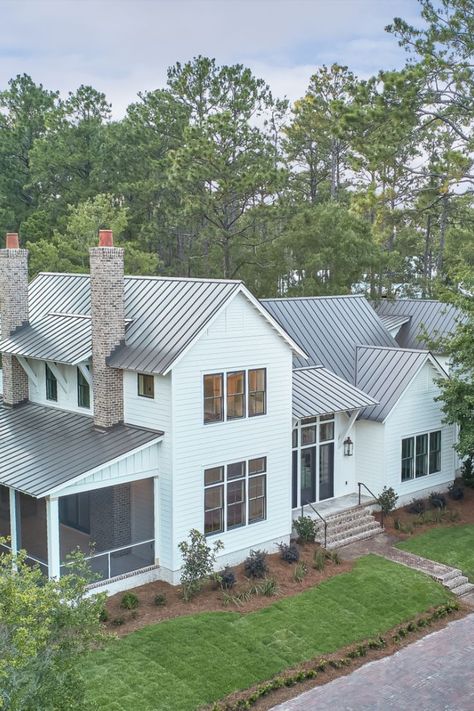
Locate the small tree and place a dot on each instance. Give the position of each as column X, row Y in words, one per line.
column 45, row 626
column 198, row 562
column 387, row 500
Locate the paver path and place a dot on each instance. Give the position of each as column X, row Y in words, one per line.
column 434, row 673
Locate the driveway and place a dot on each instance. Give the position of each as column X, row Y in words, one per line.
column 433, row 673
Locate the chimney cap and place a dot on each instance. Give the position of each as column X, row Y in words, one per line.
column 12, row 241
column 106, row 238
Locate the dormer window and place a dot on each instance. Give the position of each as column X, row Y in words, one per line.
column 83, row 391
column 146, row 385
column 51, row 385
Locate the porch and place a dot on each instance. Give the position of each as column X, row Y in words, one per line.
column 113, row 526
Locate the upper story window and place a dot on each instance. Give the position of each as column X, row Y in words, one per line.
column 51, row 385
column 146, row 385
column 421, row 455
column 83, row 391
column 235, row 395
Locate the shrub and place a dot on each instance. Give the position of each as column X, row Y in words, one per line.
column 290, row 553
column 306, row 528
column 455, row 491
column 300, row 572
column 319, row 559
column 269, row 587
column 403, row 527
column 129, row 601
column 118, row 621
column 198, row 562
column 417, row 506
column 160, row 599
column 437, row 500
column 336, row 558
column 387, row 500
column 467, row 472
column 255, row 565
column 227, row 578
column 104, row 615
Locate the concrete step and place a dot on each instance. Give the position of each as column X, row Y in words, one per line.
column 352, row 531
column 463, row 589
column 330, row 545
column 346, row 525
column 450, row 575
column 456, row 582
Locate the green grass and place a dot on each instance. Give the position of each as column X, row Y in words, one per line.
column 183, row 663
column 453, row 546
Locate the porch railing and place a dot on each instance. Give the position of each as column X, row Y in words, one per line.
column 118, row 561
column 325, row 523
column 361, row 484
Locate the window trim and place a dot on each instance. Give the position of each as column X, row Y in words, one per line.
column 246, row 394
column 246, row 478
column 144, row 394
column 414, row 437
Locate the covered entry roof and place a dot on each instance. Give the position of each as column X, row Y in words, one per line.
column 317, row 391
column 42, row 447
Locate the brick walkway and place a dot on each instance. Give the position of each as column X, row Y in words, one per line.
column 434, row 673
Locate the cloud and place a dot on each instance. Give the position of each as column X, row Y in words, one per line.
column 125, row 46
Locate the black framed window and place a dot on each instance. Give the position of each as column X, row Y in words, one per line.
column 51, row 384
column 435, row 451
column 146, row 385
column 421, row 455
column 421, row 461
column 408, row 458
column 213, row 398
column 236, row 395
column 257, row 387
column 83, row 391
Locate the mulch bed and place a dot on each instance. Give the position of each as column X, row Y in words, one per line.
column 463, row 508
column 211, row 598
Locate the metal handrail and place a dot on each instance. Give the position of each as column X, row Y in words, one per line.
column 308, row 503
column 361, row 483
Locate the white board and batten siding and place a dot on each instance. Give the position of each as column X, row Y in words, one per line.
column 239, row 338
column 67, row 400
column 155, row 413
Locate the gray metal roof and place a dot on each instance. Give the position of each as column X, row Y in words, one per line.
column 394, row 322
column 317, row 391
column 63, row 339
column 385, row 373
column 435, row 317
column 43, row 447
column 329, row 328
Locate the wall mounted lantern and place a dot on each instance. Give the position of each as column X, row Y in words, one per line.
column 348, row 447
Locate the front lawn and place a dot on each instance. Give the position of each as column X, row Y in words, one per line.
column 184, row 663
column 453, row 546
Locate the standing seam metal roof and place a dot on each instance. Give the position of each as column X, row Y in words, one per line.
column 329, row 328
column 435, row 317
column 317, row 391
column 63, row 339
column 42, row 448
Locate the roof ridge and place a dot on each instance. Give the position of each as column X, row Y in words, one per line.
column 151, row 277
column 392, row 348
column 308, row 298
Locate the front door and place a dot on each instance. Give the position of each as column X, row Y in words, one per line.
column 326, row 471
column 308, row 475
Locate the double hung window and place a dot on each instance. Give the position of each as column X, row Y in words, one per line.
column 235, row 395
column 421, row 455
column 51, row 385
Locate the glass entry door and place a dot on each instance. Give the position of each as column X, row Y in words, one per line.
column 326, row 471
column 308, row 475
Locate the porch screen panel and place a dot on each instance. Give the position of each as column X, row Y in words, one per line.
column 4, row 512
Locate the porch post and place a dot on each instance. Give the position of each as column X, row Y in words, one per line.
column 15, row 528
column 52, row 519
column 156, row 515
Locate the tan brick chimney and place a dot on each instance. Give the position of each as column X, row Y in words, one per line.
column 108, row 328
column 14, row 313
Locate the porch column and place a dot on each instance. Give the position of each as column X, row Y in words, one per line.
column 15, row 527
column 52, row 520
column 156, row 515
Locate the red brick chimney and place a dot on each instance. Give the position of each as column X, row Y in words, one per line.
column 108, row 328
column 13, row 313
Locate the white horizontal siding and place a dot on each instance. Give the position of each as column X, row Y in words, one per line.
column 418, row 412
column 239, row 338
column 369, row 455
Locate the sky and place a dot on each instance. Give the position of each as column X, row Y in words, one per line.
column 122, row 47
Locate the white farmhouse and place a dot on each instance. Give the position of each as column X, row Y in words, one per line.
column 137, row 408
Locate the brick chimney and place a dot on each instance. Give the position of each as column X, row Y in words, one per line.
column 108, row 328
column 14, row 313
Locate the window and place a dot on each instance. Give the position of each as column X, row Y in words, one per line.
column 421, row 454
column 83, row 391
column 213, row 398
column 51, row 385
column 257, row 392
column 235, row 495
column 146, row 385
column 236, row 395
